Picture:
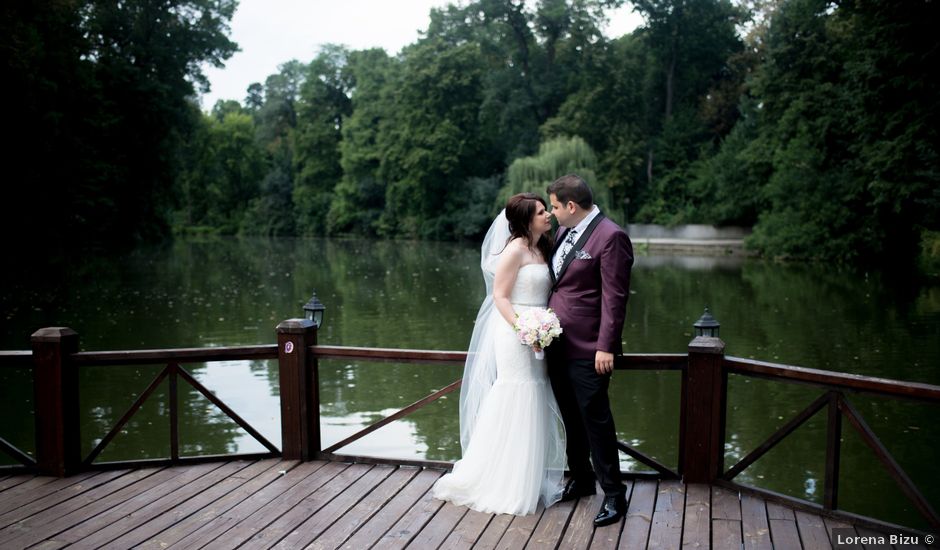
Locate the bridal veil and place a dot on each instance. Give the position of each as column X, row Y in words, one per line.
column 480, row 368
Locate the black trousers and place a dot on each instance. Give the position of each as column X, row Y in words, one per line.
column 589, row 424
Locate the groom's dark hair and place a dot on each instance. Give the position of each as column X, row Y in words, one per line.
column 572, row 188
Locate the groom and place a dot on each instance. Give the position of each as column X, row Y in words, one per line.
column 591, row 282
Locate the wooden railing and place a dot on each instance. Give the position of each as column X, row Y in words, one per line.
column 56, row 362
column 16, row 360
column 396, row 356
column 703, row 402
column 834, row 386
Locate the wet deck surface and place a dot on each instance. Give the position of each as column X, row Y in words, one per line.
column 290, row 504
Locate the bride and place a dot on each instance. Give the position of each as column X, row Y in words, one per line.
column 511, row 431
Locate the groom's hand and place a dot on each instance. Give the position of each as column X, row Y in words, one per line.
column 603, row 362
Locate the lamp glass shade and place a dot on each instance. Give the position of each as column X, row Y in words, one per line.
column 313, row 310
column 707, row 325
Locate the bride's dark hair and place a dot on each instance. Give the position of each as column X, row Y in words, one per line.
column 520, row 210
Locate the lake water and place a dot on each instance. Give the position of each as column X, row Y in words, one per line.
column 400, row 294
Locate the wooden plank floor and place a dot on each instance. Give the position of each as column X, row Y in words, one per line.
column 324, row 505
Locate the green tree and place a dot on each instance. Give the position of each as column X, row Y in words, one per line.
column 277, row 116
column 226, row 167
column 254, row 97
column 224, row 107
column 199, row 171
column 271, row 213
column 556, row 157
column 432, row 139
column 608, row 111
column 102, row 93
column 533, row 57
column 359, row 198
column 690, row 44
column 242, row 167
column 848, row 117
column 892, row 87
column 726, row 188
column 270, row 209
column 323, row 106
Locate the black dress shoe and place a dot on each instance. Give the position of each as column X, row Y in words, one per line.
column 611, row 511
column 575, row 489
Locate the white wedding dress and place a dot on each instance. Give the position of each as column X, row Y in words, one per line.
column 515, row 455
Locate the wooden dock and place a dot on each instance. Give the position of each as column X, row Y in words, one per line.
column 277, row 503
column 302, row 495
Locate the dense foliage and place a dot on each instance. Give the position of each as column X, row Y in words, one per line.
column 814, row 121
column 99, row 100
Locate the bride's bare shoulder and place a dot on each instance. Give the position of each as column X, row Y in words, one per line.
column 515, row 250
column 517, row 245
column 513, row 255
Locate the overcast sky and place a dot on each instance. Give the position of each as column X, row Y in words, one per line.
column 270, row 32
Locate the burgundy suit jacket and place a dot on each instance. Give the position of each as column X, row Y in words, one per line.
column 590, row 293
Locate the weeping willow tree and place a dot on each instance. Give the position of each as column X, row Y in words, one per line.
column 557, row 157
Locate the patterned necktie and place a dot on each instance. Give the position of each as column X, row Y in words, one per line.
column 566, row 247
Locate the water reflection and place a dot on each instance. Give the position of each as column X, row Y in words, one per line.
column 690, row 263
column 425, row 295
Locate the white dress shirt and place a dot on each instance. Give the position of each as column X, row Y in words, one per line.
column 566, row 246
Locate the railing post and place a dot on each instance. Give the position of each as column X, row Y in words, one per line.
column 55, row 385
column 833, row 450
column 704, row 389
column 299, row 388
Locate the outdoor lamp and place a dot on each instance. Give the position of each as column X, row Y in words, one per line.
column 707, row 325
column 313, row 310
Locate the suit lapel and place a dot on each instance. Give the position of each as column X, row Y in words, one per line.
column 578, row 245
column 558, row 239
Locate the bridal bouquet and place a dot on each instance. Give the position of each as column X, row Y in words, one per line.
column 537, row 327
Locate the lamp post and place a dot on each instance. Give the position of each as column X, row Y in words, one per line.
column 707, row 325
column 313, row 310
column 704, row 401
column 299, row 379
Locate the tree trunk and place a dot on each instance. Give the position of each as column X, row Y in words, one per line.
column 670, row 83
column 673, row 55
column 519, row 27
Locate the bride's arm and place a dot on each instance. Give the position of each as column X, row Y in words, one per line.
column 505, row 277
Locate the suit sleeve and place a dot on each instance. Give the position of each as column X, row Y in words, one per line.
column 616, row 263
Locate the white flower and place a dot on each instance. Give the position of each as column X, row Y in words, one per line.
column 537, row 327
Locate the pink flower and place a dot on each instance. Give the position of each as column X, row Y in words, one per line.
column 537, row 327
